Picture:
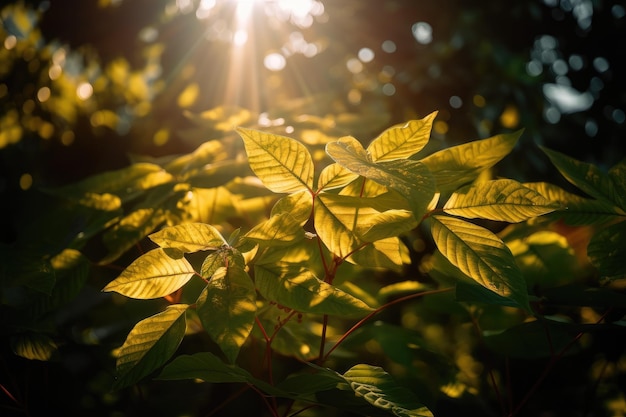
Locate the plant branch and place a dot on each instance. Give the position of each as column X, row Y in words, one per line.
column 548, row 368
column 378, row 310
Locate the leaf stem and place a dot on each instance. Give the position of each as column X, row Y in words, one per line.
column 378, row 310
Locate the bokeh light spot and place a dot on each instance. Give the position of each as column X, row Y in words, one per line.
column 161, row 137
column 455, row 102
column 366, row 55
column 43, row 94
column 479, row 101
column 188, row 96
column 354, row 65
column 84, row 90
column 274, row 62
column 26, row 181
column 389, row 89
column 389, row 46
column 510, row 117
column 422, row 32
column 601, row 64
column 10, row 42
column 440, row 127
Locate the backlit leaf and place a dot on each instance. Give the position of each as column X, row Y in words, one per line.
column 150, row 344
column 335, row 221
column 499, row 200
column 481, row 255
column 607, row 251
column 298, row 288
column 189, row 237
column 299, row 205
column 221, row 258
column 125, row 183
column 284, row 165
column 34, row 346
column 402, row 141
column 209, row 205
column 589, row 178
column 189, row 164
column 334, row 176
column 576, row 210
column 378, row 388
column 459, row 165
column 155, row 274
column 411, row 179
column 129, row 230
column 279, row 230
column 389, row 253
column 227, row 308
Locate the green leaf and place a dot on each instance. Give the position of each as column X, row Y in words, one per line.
column 409, row 178
column 298, row 288
column 459, row 165
column 150, row 344
column 125, row 183
column 390, row 223
column 155, row 274
column 545, row 258
column 389, row 253
column 607, row 251
column 34, row 346
column 576, row 210
column 221, row 258
column 284, row 165
column 209, row 368
column 618, row 175
column 189, row 237
column 481, row 255
column 402, row 141
column 500, row 200
column 130, row 230
column 378, row 388
column 589, row 178
column 227, row 308
column 335, row 220
column 190, row 164
column 334, row 176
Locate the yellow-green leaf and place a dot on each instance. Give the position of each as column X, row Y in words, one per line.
column 284, row 165
column 335, row 176
column 577, row 210
column 227, row 308
column 481, row 255
column 155, row 274
column 296, row 287
column 150, row 344
column 34, row 346
column 411, row 179
column 189, row 237
column 402, row 141
column 459, row 165
column 279, row 230
column 500, row 200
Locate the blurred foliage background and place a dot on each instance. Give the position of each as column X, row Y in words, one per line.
column 89, row 86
